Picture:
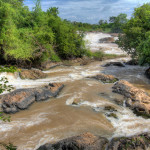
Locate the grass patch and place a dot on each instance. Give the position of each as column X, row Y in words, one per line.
column 99, row 55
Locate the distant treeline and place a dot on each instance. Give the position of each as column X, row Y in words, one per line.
column 114, row 24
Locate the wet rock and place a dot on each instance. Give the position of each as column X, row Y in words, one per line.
column 136, row 99
column 137, row 142
column 110, row 108
column 132, row 62
column 22, row 98
column 31, row 74
column 76, row 101
column 107, row 40
column 119, row 64
column 147, row 73
column 86, row 141
column 105, row 78
column 118, row 101
column 112, row 115
column 49, row 65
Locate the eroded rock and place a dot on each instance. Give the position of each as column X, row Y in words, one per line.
column 136, row 99
column 86, row 141
column 22, row 98
column 31, row 74
column 105, row 78
column 137, row 142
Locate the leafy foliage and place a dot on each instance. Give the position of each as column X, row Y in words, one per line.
column 9, row 146
column 136, row 38
column 11, row 69
column 36, row 36
column 4, row 85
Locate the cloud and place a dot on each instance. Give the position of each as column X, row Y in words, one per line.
column 90, row 11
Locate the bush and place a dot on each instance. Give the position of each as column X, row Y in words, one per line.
column 36, row 36
column 98, row 55
column 136, row 35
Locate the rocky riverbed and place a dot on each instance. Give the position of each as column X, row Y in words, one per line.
column 97, row 108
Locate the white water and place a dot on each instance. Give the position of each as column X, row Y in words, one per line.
column 57, row 119
column 92, row 42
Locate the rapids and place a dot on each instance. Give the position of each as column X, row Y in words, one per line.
column 57, row 118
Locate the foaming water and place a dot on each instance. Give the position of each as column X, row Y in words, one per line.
column 92, row 42
column 57, row 118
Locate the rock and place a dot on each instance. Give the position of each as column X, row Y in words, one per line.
column 147, row 73
column 107, row 40
column 136, row 99
column 137, row 142
column 76, row 101
column 112, row 115
column 86, row 141
column 105, row 78
column 31, row 74
column 118, row 101
column 22, row 98
column 49, row 65
column 119, row 64
column 132, row 62
column 110, row 108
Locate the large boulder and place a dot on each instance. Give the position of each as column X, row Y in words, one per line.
column 105, row 78
column 136, row 99
column 86, row 141
column 147, row 73
column 31, row 74
column 22, row 98
column 137, row 142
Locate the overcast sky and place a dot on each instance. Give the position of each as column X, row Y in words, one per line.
column 90, row 11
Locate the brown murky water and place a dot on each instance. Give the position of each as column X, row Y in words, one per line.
column 56, row 118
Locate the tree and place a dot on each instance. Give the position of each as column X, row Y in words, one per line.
column 118, row 22
column 136, row 35
column 30, row 37
column 53, row 11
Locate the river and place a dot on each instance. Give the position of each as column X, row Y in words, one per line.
column 57, row 118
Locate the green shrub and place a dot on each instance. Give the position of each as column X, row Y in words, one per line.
column 11, row 69
column 99, row 55
column 36, row 36
column 136, row 35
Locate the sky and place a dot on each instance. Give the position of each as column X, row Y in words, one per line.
column 90, row 11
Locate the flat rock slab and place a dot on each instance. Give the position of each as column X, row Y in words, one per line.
column 86, row 141
column 119, row 64
column 22, row 98
column 105, row 78
column 136, row 99
column 31, row 74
